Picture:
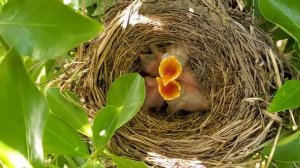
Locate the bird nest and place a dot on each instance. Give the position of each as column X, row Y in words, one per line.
column 233, row 60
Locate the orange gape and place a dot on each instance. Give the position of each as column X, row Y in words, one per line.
column 169, row 91
column 169, row 69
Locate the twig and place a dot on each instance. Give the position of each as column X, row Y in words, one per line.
column 80, row 48
column 279, row 84
column 274, row 146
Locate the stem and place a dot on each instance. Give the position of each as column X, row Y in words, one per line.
column 93, row 157
column 273, row 147
column 294, row 126
column 80, row 48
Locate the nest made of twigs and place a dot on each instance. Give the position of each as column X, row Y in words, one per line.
column 233, row 60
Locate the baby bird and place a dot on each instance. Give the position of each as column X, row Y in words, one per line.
column 169, row 69
column 179, row 51
column 169, row 91
column 188, row 76
column 191, row 97
column 177, row 84
column 153, row 98
column 150, row 64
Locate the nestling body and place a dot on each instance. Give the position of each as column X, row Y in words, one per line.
column 153, row 98
column 149, row 64
column 192, row 98
column 180, row 89
column 179, row 51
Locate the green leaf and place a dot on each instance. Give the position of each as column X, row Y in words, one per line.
column 122, row 162
column 267, row 26
column 257, row 12
column 69, row 162
column 61, row 139
column 287, row 149
column 295, row 59
column 80, row 161
column 44, row 29
column 127, row 163
column 289, row 45
column 296, row 48
column 2, row 49
column 287, row 97
column 93, row 164
column 2, row 2
column 105, row 124
column 284, row 165
column 284, row 13
column 51, row 68
column 78, row 3
column 127, row 93
column 65, row 108
column 279, row 34
column 52, row 166
column 23, row 110
column 36, row 70
column 252, row 5
column 11, row 157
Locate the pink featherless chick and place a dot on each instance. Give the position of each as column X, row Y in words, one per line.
column 150, row 62
column 179, row 51
column 192, row 98
column 153, row 98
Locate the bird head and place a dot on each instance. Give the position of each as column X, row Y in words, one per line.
column 169, row 69
column 169, row 91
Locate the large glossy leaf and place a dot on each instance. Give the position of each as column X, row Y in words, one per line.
column 287, row 97
column 105, row 124
column 285, row 13
column 127, row 163
column 297, row 48
column 65, row 108
column 2, row 2
column 78, row 3
column 122, row 162
column 287, row 149
column 61, row 139
column 44, row 29
column 93, row 164
column 12, row 158
column 79, row 161
column 66, row 161
column 127, row 93
column 52, row 166
column 284, row 165
column 289, row 45
column 41, row 71
column 279, row 34
column 2, row 49
column 52, row 69
column 36, row 70
column 23, row 110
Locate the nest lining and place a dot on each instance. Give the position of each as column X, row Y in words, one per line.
column 233, row 62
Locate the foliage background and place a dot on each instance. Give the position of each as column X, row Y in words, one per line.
column 41, row 126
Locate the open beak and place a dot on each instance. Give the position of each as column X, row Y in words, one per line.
column 169, row 69
column 169, row 91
